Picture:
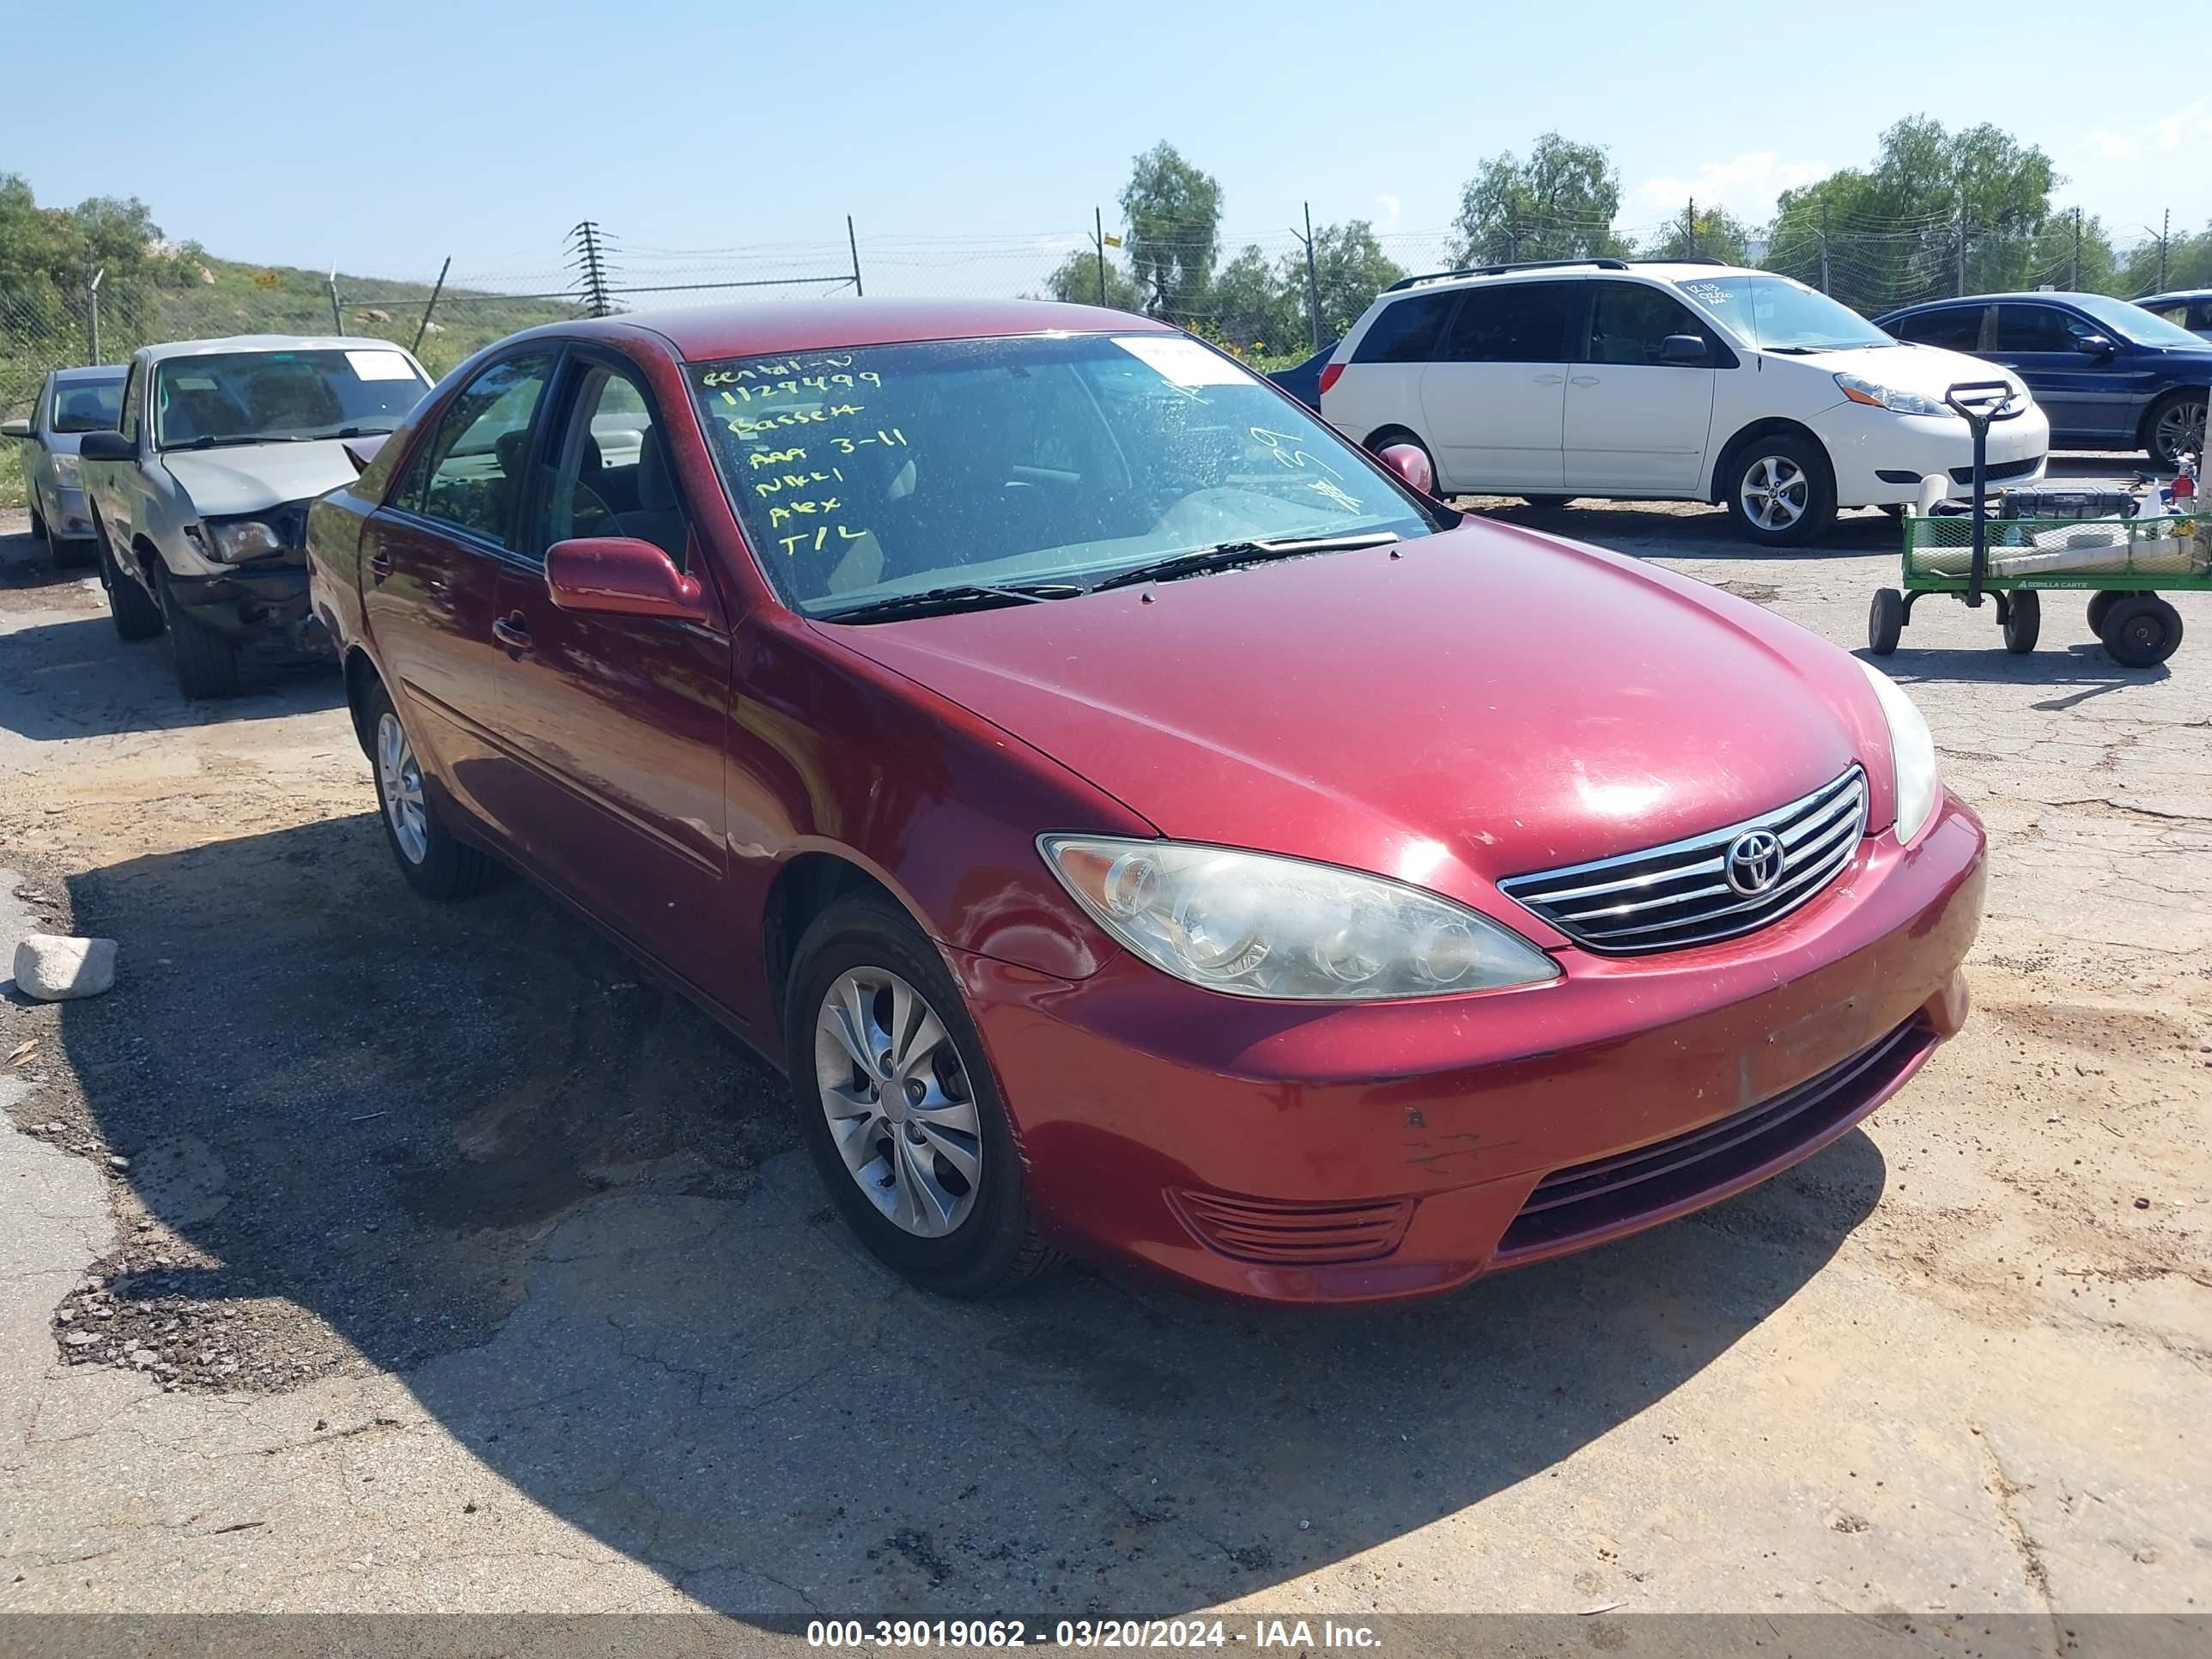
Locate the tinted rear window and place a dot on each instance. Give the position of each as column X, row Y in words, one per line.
column 1956, row 330
column 88, row 405
column 1406, row 329
column 1517, row 323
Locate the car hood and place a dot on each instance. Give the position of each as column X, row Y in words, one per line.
column 1487, row 702
column 1928, row 370
column 253, row 477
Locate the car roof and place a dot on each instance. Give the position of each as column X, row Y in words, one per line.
column 235, row 342
column 1663, row 271
column 101, row 374
column 2175, row 294
column 2072, row 296
column 703, row 332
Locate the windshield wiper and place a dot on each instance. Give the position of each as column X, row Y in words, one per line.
column 1227, row 556
column 939, row 601
column 209, row 442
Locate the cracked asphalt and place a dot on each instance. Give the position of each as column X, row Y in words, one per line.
column 450, row 1264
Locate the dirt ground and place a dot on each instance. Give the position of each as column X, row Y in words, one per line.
column 362, row 1253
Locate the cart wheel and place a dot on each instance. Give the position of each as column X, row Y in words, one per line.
column 2023, row 620
column 1885, row 621
column 2100, row 603
column 2140, row 630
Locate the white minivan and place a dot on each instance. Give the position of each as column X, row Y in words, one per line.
column 1672, row 381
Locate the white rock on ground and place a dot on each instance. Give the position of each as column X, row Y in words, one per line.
column 54, row 968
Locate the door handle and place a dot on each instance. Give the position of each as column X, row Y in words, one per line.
column 380, row 565
column 511, row 633
column 1584, row 380
column 1550, row 379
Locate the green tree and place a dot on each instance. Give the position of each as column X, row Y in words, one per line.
column 1350, row 268
column 1251, row 306
column 1075, row 279
column 1173, row 211
column 1702, row 234
column 2188, row 265
column 1558, row 204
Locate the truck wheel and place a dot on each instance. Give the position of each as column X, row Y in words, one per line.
column 205, row 663
column 2023, row 620
column 135, row 615
column 2141, row 631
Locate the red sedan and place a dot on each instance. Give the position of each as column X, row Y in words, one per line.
column 1142, row 824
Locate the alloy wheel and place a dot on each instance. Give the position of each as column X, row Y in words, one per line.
column 1775, row 492
column 399, row 780
column 896, row 1092
column 2180, row 432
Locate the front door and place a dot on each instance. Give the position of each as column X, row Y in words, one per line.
column 431, row 558
column 1494, row 397
column 2084, row 394
column 618, row 723
column 1635, row 422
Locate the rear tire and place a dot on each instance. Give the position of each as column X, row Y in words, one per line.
column 1885, row 621
column 858, row 954
column 2023, row 620
column 437, row 863
column 2175, row 428
column 1780, row 490
column 2100, row 604
column 132, row 608
column 205, row 663
column 2140, row 630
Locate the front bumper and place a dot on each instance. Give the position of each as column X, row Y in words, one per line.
column 70, row 520
column 1881, row 458
column 1300, row 1153
column 262, row 605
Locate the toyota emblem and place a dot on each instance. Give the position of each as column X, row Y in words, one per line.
column 1753, row 863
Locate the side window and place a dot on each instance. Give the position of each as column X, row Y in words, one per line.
column 1512, row 323
column 471, row 471
column 1406, row 329
column 42, row 411
column 1629, row 321
column 2200, row 316
column 134, row 396
column 1957, row 329
column 2037, row 328
column 2173, row 310
column 611, row 475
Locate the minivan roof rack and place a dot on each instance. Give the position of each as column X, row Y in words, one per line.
column 1500, row 270
column 1685, row 259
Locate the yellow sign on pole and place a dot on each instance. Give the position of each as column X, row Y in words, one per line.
column 1113, row 241
column 264, row 279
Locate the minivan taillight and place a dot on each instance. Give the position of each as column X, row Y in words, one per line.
column 1328, row 373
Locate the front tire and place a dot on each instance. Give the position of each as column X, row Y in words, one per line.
column 437, row 863
column 39, row 526
column 205, row 663
column 1779, row 491
column 131, row 607
column 897, row 1104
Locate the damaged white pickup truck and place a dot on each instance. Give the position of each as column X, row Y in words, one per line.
column 199, row 499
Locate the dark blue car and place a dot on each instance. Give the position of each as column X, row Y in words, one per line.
column 1303, row 381
column 2109, row 374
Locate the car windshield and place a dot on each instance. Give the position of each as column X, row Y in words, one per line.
column 267, row 396
column 88, row 405
column 1776, row 314
column 861, row 475
column 2125, row 318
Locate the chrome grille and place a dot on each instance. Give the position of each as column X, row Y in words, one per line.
column 1666, row 897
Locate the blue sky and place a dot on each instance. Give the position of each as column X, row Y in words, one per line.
column 387, row 135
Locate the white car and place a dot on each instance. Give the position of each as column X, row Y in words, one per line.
column 198, row 502
column 1665, row 382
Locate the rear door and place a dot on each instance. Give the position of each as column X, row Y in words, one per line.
column 618, row 723
column 2085, row 394
column 431, row 559
column 1634, row 421
column 1381, row 383
column 1494, row 397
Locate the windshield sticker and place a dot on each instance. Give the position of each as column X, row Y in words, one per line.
column 1180, row 361
column 800, row 416
column 380, row 366
column 187, row 383
column 1711, row 292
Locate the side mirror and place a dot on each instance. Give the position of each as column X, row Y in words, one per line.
column 2093, row 345
column 106, row 446
column 14, row 428
column 622, row 576
column 1410, row 462
column 1684, row 350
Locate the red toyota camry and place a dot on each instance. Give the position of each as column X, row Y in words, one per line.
column 1142, row 824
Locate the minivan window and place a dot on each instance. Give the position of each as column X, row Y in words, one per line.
column 1776, row 314
column 1511, row 323
column 1405, row 331
column 1630, row 322
column 875, row 472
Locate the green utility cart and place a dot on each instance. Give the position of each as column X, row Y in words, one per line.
column 2124, row 563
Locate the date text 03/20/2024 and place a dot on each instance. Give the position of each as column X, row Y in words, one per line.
column 1271, row 1633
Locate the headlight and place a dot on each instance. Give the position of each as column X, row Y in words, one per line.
column 1860, row 390
column 65, row 471
column 1912, row 754
column 247, row 538
column 1254, row 925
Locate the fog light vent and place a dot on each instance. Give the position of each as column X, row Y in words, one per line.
column 1310, row 1235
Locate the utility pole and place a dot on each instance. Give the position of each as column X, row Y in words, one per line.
column 1824, row 245
column 337, row 317
column 852, row 246
column 2166, row 229
column 92, row 300
column 1312, row 282
column 588, row 261
column 2075, row 283
column 424, row 327
column 1961, row 288
column 1690, row 227
column 1098, row 242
